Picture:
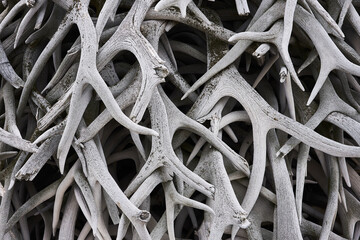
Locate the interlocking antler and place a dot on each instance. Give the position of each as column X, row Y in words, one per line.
column 185, row 136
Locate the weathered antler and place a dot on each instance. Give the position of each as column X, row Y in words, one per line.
column 195, row 129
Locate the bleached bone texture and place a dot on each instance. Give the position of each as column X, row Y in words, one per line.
column 180, row 119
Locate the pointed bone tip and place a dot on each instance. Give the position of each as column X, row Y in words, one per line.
column 61, row 170
column 154, row 133
column 235, row 140
column 61, row 162
column 309, row 101
column 348, row 183
column 302, row 87
column 185, row 96
column 44, row 91
column 211, row 211
column 191, row 157
column 28, row 40
column 339, row 33
column 16, row 42
column 298, row 82
column 315, row 90
column 11, row 184
column 158, row 7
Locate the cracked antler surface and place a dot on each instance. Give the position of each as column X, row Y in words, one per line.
column 179, row 119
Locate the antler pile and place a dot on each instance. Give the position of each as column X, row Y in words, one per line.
column 181, row 138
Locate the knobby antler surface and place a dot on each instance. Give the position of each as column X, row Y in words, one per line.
column 179, row 119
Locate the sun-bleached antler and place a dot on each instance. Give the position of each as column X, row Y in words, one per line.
column 176, row 119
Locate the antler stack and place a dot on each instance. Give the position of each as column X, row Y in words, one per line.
column 179, row 119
